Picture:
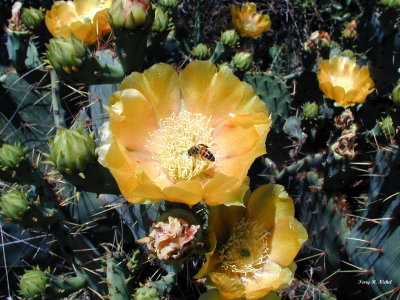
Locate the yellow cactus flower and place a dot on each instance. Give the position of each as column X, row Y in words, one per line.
column 85, row 19
column 184, row 138
column 252, row 249
column 343, row 81
column 247, row 22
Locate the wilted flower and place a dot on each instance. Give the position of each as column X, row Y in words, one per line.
column 171, row 239
column 344, row 120
column 247, row 22
column 252, row 249
column 350, row 32
column 184, row 138
column 317, row 40
column 85, row 19
column 343, row 81
column 344, row 146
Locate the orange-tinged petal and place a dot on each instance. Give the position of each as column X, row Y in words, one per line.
column 121, row 167
column 84, row 31
column 188, row 192
column 223, row 189
column 287, row 237
column 229, row 284
column 272, row 277
column 210, row 92
column 160, row 87
column 133, row 121
column 222, row 219
column 145, row 194
column 269, row 204
column 343, row 81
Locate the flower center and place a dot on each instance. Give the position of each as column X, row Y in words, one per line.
column 345, row 82
column 173, row 142
column 246, row 249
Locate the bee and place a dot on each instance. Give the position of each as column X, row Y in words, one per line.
column 202, row 151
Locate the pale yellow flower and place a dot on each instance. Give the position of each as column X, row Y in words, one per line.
column 247, row 22
column 85, row 19
column 343, row 81
column 158, row 116
column 252, row 249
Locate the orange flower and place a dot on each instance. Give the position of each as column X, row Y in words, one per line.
column 85, row 19
column 184, row 138
column 252, row 249
column 343, row 81
column 247, row 22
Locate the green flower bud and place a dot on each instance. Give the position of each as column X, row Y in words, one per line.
column 72, row 150
column 12, row 155
column 32, row 18
column 130, row 14
column 66, row 54
column 146, row 293
column 386, row 126
column 168, row 3
column 230, row 38
column 243, row 61
column 391, row 3
column 161, row 20
column 33, row 284
column 348, row 53
column 201, row 51
column 14, row 204
column 310, row 110
column 396, row 93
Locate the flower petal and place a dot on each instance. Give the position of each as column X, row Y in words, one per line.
column 209, row 92
column 229, row 284
column 287, row 237
column 188, row 192
column 223, row 189
column 160, row 87
column 269, row 204
column 133, row 120
column 272, row 277
column 211, row 257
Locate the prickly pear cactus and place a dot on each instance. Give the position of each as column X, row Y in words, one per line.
column 199, row 149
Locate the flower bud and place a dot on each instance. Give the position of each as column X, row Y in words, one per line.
column 168, row 3
column 396, row 93
column 161, row 20
column 391, row 3
column 11, row 155
column 33, row 284
column 32, row 18
column 72, row 150
column 130, row 14
column 310, row 110
column 386, row 126
column 146, row 293
column 230, row 38
column 14, row 204
column 201, row 51
column 243, row 61
column 348, row 53
column 66, row 54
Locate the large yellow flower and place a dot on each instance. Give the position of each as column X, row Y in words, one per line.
column 247, row 22
column 252, row 249
column 343, row 81
column 158, row 119
column 85, row 19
